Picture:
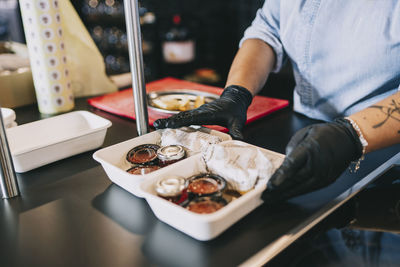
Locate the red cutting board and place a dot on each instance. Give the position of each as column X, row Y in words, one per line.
column 121, row 103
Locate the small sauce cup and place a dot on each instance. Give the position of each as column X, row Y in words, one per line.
column 170, row 154
column 144, row 154
column 206, row 185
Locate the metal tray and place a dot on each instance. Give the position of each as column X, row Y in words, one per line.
column 177, row 95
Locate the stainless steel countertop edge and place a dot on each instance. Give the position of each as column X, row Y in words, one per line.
column 270, row 251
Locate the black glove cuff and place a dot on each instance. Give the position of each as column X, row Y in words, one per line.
column 239, row 93
column 354, row 136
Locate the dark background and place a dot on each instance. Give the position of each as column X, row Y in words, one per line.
column 216, row 27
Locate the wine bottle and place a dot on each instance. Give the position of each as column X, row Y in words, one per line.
column 178, row 49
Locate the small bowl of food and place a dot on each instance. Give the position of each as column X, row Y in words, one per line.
column 175, row 101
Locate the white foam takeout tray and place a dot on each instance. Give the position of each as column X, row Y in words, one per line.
column 199, row 226
column 44, row 141
column 113, row 160
column 202, row 226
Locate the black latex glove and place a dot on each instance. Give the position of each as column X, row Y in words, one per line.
column 315, row 157
column 229, row 111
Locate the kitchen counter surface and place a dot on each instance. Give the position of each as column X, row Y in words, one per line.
column 70, row 214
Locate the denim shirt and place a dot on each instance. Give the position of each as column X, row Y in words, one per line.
column 345, row 53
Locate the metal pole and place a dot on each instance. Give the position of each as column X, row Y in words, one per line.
column 8, row 179
column 136, row 63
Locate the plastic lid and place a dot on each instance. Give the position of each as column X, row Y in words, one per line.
column 170, row 186
column 8, row 116
column 143, row 154
column 173, row 152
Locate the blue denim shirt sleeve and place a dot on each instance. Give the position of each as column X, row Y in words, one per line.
column 265, row 27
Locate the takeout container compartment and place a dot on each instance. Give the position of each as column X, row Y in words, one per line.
column 199, row 226
column 113, row 160
column 44, row 141
column 202, row 226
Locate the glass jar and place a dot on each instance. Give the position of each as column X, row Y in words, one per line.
column 170, row 154
column 172, row 189
column 143, row 155
column 206, row 185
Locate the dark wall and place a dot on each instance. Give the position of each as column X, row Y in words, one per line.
column 216, row 25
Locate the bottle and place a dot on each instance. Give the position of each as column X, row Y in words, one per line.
column 178, row 49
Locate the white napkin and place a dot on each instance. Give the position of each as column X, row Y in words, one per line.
column 242, row 165
column 193, row 140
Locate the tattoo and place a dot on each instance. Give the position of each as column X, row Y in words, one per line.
column 391, row 111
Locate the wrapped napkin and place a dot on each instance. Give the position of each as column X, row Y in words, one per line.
column 241, row 164
column 192, row 139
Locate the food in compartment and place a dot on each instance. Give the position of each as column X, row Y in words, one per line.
column 143, row 169
column 147, row 158
column 170, row 154
column 176, row 101
column 144, row 154
column 201, row 193
column 173, row 145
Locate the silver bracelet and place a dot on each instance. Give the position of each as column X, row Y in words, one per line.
column 363, row 142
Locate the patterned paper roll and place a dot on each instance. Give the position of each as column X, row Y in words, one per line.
column 47, row 53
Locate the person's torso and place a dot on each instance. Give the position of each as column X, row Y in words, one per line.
column 345, row 53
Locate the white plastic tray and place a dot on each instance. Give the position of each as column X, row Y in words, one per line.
column 44, row 141
column 202, row 226
column 113, row 160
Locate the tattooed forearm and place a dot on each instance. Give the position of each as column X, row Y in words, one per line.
column 392, row 111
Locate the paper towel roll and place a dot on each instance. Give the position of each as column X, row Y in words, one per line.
column 47, row 53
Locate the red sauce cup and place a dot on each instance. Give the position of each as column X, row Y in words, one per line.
column 144, row 154
column 206, row 185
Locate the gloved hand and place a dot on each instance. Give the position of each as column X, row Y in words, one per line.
column 315, row 157
column 228, row 111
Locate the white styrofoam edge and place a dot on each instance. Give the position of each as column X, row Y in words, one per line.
column 206, row 230
column 204, row 226
column 105, row 124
